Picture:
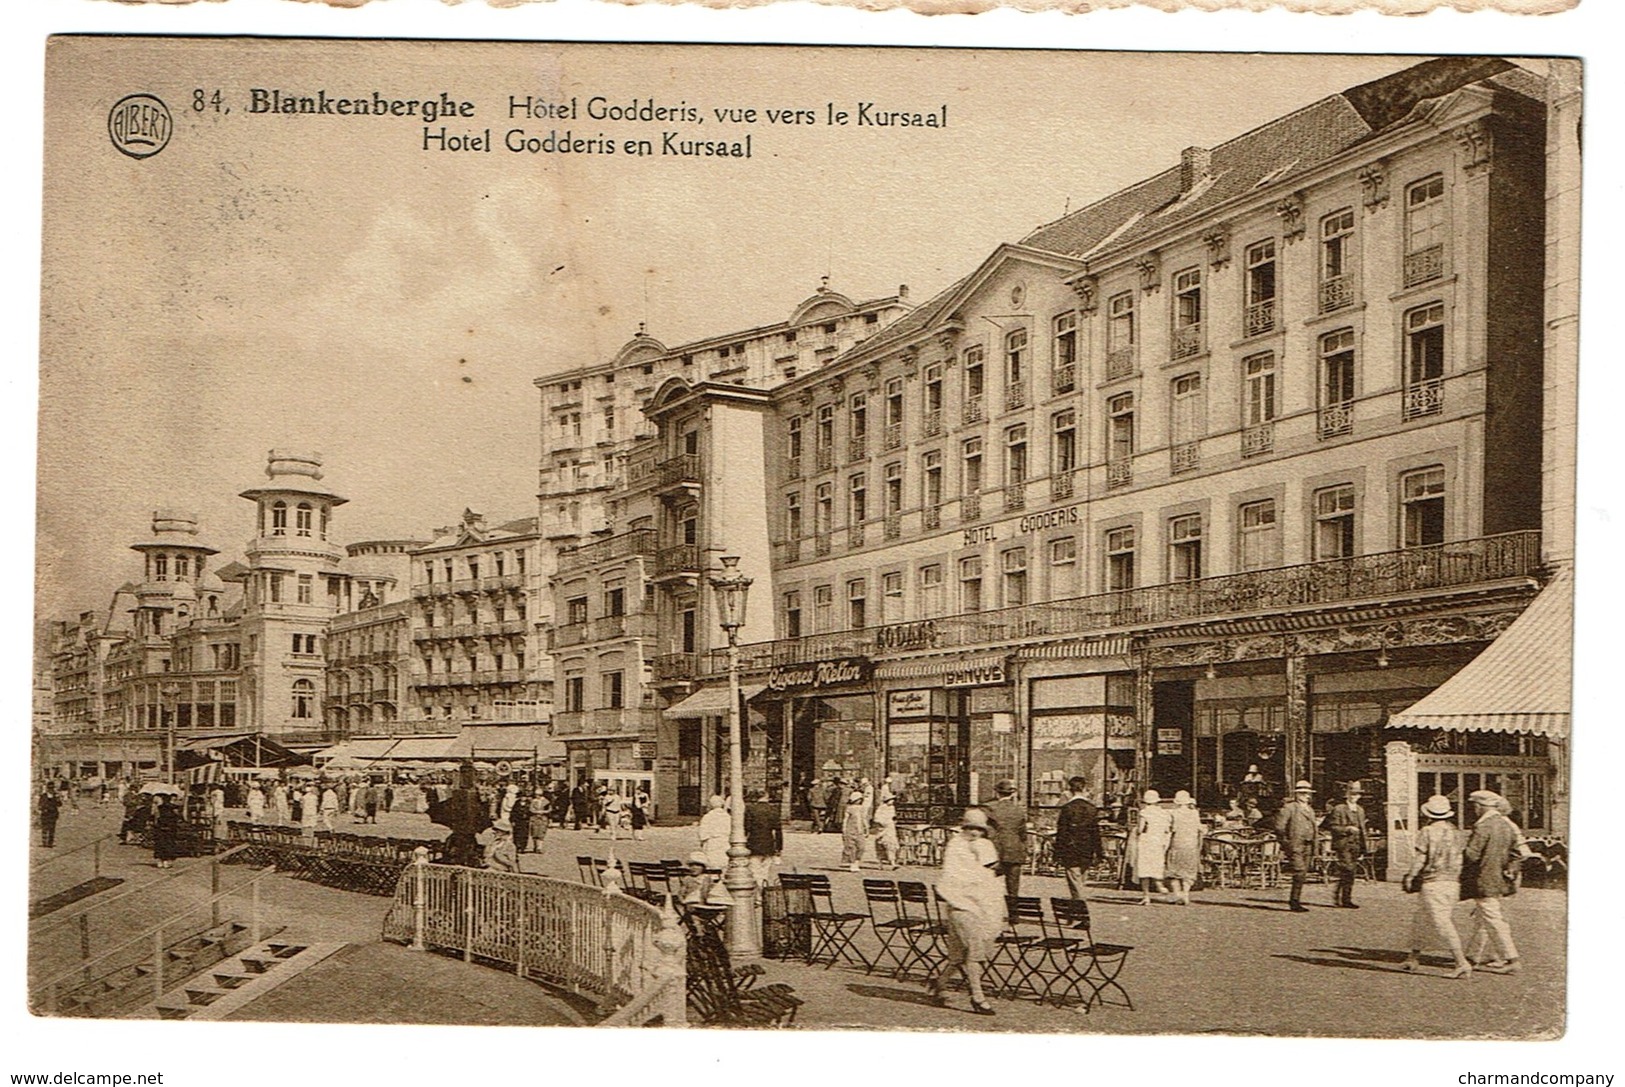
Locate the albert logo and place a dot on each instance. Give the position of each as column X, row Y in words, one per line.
column 139, row 125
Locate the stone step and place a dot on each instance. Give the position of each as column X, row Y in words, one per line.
column 235, row 981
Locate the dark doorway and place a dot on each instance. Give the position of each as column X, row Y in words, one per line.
column 1173, row 709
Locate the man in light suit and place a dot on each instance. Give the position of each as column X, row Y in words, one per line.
column 1346, row 823
column 1295, row 826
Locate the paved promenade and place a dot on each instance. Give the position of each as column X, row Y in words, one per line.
column 1234, row 962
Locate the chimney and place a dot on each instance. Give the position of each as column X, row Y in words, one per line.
column 1195, row 166
column 902, row 292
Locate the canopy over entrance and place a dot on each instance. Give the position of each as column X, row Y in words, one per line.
column 712, row 701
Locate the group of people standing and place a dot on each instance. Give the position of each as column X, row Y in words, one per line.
column 868, row 820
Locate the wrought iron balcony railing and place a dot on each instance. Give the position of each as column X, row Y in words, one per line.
column 792, row 469
column 639, row 541
column 681, row 470
column 1061, row 485
column 894, row 525
column 931, row 425
column 1460, row 564
column 931, row 516
column 1423, row 265
column 970, row 507
column 1187, row 341
column 1063, row 380
column 1258, row 438
column 821, row 544
column 854, row 535
column 823, row 458
column 1335, row 293
column 1015, row 497
column 857, row 448
column 670, row 667
column 973, row 409
column 678, row 559
column 1119, row 363
column 1424, row 398
column 1015, row 396
column 892, row 436
column 606, row 721
column 1261, row 317
column 1336, row 419
column 1185, row 456
column 1119, row 473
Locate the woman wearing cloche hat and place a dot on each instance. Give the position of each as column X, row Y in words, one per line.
column 971, row 887
column 1435, row 875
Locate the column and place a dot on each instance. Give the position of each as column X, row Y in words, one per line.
column 1145, row 716
column 1296, row 757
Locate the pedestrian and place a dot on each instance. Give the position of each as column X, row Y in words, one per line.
column 883, row 826
column 136, row 814
column 1435, row 877
column 369, row 802
column 277, row 804
column 764, row 836
column 510, row 797
column 256, row 803
column 500, row 855
column 541, row 813
column 835, row 805
column 1347, row 826
column 615, row 817
column 714, row 829
column 1254, row 815
column 1184, row 861
column 854, row 828
column 970, row 887
column 50, row 810
column 217, row 810
column 464, row 813
column 166, row 832
column 1487, row 876
column 1077, row 836
column 1294, row 827
column 815, row 804
column 580, row 804
column 309, row 802
column 330, row 809
column 389, row 796
column 1009, row 819
column 1155, row 828
column 520, row 818
column 640, row 814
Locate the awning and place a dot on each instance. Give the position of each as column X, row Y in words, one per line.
column 1093, row 647
column 711, row 701
column 507, row 743
column 1523, row 682
column 939, row 665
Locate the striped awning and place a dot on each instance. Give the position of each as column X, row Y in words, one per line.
column 711, row 701
column 1096, row 647
column 939, row 665
column 1523, row 682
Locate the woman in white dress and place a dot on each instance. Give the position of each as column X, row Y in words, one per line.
column 256, row 804
column 714, row 827
column 279, row 804
column 1156, row 825
column 1184, row 847
column 974, row 893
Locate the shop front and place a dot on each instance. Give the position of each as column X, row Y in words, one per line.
column 1082, row 726
column 951, row 733
column 813, row 723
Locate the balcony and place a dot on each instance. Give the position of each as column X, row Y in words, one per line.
column 1119, row 363
column 970, row 507
column 857, row 448
column 931, row 517
column 894, row 525
column 792, row 468
column 1063, row 380
column 640, row 541
column 931, row 424
column 678, row 560
column 823, row 458
column 637, row 624
column 1260, row 317
column 466, row 585
column 891, row 437
column 792, row 550
column 1184, row 457
column 567, row 634
column 502, row 582
column 682, row 470
column 1424, row 265
column 854, row 535
column 1335, row 293
column 1061, row 485
column 1336, row 419
column 1015, row 497
column 973, row 409
column 606, row 721
column 502, row 627
column 1256, row 439
column 1015, row 396
column 1424, row 398
column 1119, row 473
column 641, row 469
column 1462, row 565
column 821, row 544
column 1187, row 341
column 676, row 667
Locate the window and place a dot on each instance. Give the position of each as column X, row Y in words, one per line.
column 1064, row 377
column 1258, row 412
column 857, row 424
column 1120, row 335
column 893, row 495
column 575, row 610
column 1187, row 313
column 575, row 693
column 1336, row 260
column 688, row 631
column 1120, row 559
column 824, row 437
column 1188, row 422
column 1063, row 568
column 609, row 422
column 970, row 583
column 304, row 698
column 1260, row 316
column 971, row 479
column 1422, row 507
column 160, row 567
column 931, row 485
column 975, row 385
column 688, row 526
column 1063, row 452
column 497, row 560
column 856, row 604
column 519, row 563
column 1424, row 230
column 792, row 614
column 931, row 405
column 276, row 588
column 612, row 690
column 1119, row 439
column 447, row 563
column 893, row 437
column 823, row 608
column 1334, row 522
column 891, row 597
column 614, row 599
column 428, row 571
column 301, row 519
column 1013, row 570
column 1424, row 361
column 1015, row 455
column 792, row 516
column 930, row 590
column 1015, row 369
column 1337, row 383
column 857, row 505
column 793, row 439
column 1260, row 542
column 1185, row 548
column 823, row 509
column 279, row 518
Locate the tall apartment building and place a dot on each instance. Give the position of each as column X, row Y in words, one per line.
column 369, row 648
column 1213, row 479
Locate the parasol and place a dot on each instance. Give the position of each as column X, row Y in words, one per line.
column 153, row 788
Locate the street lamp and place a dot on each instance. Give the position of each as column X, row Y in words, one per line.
column 744, row 938
column 166, row 701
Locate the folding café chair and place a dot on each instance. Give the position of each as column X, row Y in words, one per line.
column 1009, row 969
column 1091, row 964
column 889, row 923
column 588, row 869
column 927, row 935
column 833, row 930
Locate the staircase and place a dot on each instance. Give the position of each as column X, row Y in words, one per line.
column 237, row 979
column 120, row 991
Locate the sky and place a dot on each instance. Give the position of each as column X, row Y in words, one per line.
column 323, row 283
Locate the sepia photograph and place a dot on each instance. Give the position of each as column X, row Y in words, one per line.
column 811, row 538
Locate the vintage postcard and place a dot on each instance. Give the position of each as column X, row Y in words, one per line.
column 805, row 538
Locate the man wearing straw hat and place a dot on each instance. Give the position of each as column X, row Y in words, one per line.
column 1346, row 824
column 1487, row 860
column 1295, row 826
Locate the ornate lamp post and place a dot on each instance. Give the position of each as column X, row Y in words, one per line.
column 166, row 701
column 744, row 936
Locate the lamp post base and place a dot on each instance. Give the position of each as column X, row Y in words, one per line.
column 744, row 921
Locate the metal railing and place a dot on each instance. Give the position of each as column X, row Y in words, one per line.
column 891, row 437
column 678, row 559
column 857, row 448
column 1015, row 396
column 1184, row 456
column 1336, row 419
column 931, row 424
column 970, row 507
column 1260, row 317
column 1061, row 485
column 1015, row 497
column 1119, row 473
column 1119, row 363
column 973, row 409
column 1063, row 379
column 1424, row 264
column 1187, row 341
column 1335, row 293
column 639, row 541
column 682, row 469
column 1258, row 438
column 1458, row 564
column 1425, row 397
column 626, row 955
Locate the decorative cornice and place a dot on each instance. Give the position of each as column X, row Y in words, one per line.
column 1087, row 288
column 1478, row 147
column 1291, row 212
column 1150, row 269
column 1218, row 245
column 1374, row 185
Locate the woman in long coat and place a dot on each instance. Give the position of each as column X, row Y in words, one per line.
column 974, row 894
column 166, row 832
column 1184, row 847
column 1156, row 828
column 854, row 828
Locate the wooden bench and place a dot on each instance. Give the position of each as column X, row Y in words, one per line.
column 720, row 994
